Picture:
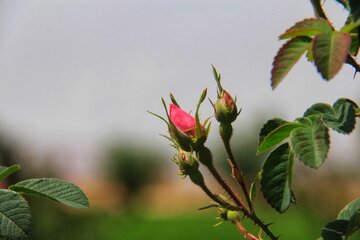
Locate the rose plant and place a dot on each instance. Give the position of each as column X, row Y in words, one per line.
column 306, row 139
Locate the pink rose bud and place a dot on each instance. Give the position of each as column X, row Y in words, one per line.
column 182, row 129
column 182, row 120
column 225, row 108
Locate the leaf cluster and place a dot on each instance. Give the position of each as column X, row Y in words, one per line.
column 326, row 47
column 307, row 138
column 15, row 214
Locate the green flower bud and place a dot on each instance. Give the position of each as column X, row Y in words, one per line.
column 187, row 163
column 189, row 166
column 228, row 215
column 225, row 108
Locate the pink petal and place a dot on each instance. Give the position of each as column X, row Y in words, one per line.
column 182, row 120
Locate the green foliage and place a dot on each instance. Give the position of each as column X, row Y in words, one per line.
column 7, row 171
column 340, row 117
column 277, row 135
column 347, row 222
column 327, row 48
column 308, row 27
column 307, row 138
column 286, row 58
column 15, row 216
column 349, row 210
column 330, row 51
column 54, row 189
column 311, row 143
column 276, row 178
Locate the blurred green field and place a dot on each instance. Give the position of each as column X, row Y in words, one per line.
column 51, row 222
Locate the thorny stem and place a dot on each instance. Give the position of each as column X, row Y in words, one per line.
column 320, row 12
column 241, row 206
column 225, row 186
column 217, row 199
column 242, row 229
column 238, row 175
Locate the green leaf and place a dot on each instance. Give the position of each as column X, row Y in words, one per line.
column 304, row 120
column 308, row 27
column 276, row 178
column 311, row 143
column 340, row 117
column 354, row 223
column 269, row 126
column 54, row 189
column 330, row 52
column 320, row 109
column 348, row 28
column 309, row 54
column 15, row 216
column 7, row 171
column 286, row 58
column 277, row 136
column 253, row 188
column 335, row 230
column 348, row 211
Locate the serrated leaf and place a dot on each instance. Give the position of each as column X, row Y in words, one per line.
column 276, row 136
column 320, row 109
column 308, row 27
column 15, row 216
column 54, row 189
column 286, row 58
column 330, row 52
column 311, row 144
column 276, row 178
column 335, row 230
column 269, row 126
column 7, row 171
column 340, row 117
column 304, row 120
column 348, row 211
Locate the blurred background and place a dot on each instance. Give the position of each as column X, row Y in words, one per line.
column 77, row 78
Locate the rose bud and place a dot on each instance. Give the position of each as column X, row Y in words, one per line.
column 225, row 108
column 228, row 215
column 189, row 166
column 187, row 162
column 183, row 129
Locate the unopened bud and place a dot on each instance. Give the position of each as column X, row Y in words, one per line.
column 187, row 162
column 183, row 129
column 225, row 108
column 228, row 215
column 189, row 166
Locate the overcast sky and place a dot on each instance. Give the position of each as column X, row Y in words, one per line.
column 75, row 72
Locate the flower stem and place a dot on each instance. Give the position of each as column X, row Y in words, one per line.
column 205, row 157
column 225, row 133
